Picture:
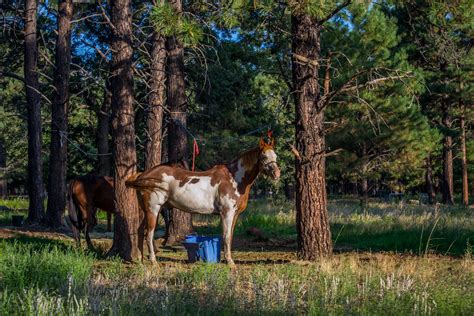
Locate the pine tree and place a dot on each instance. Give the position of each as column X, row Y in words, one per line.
column 437, row 38
column 128, row 241
column 58, row 147
column 35, row 168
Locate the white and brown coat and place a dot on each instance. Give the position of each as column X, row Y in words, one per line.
column 223, row 190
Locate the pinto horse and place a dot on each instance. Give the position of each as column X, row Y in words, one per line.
column 88, row 193
column 84, row 196
column 222, row 190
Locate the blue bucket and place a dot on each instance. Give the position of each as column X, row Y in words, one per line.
column 206, row 249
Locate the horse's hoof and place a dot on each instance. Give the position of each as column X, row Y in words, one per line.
column 231, row 264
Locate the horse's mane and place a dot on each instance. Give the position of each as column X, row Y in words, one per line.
column 248, row 156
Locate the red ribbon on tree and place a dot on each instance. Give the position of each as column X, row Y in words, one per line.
column 195, row 151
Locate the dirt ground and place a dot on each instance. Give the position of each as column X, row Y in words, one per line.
column 246, row 249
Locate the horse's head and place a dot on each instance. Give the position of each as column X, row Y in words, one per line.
column 268, row 159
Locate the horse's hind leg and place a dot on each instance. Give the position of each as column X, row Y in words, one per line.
column 150, row 202
column 150, row 231
column 87, row 229
column 90, row 224
column 109, row 222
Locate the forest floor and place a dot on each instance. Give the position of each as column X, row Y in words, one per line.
column 402, row 258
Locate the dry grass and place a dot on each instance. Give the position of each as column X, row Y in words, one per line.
column 410, row 274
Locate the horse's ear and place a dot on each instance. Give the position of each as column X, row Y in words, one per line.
column 272, row 142
column 261, row 143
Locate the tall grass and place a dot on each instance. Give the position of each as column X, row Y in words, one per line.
column 42, row 277
column 348, row 284
column 48, row 277
column 41, row 264
column 417, row 229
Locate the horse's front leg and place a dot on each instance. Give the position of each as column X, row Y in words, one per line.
column 227, row 218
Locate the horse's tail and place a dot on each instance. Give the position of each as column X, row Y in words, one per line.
column 135, row 183
column 74, row 217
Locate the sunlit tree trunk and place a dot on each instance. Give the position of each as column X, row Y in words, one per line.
column 465, row 186
column 448, row 187
column 35, row 169
column 314, row 235
column 58, row 147
column 429, row 181
column 3, row 164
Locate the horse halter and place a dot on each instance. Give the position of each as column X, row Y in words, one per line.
column 269, row 167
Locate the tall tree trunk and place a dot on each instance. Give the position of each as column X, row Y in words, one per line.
column 3, row 165
column 314, row 235
column 448, row 194
column 180, row 222
column 465, row 188
column 103, row 130
column 58, row 147
column 364, row 181
column 35, row 170
column 154, row 121
column 429, row 181
column 128, row 239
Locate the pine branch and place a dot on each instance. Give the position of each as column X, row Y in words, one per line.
column 349, row 86
column 106, row 17
column 373, row 82
column 334, row 12
column 85, row 18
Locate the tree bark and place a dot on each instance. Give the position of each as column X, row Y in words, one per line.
column 364, row 185
column 448, row 194
column 180, row 222
column 314, row 235
column 3, row 165
column 465, row 186
column 35, row 169
column 156, row 101
column 429, row 181
column 103, row 130
column 59, row 122
column 128, row 237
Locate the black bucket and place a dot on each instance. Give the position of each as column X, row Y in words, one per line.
column 17, row 220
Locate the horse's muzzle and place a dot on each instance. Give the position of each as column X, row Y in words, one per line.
column 274, row 173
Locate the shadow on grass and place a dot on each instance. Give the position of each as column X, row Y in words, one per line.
column 453, row 240
column 38, row 243
column 418, row 240
column 446, row 241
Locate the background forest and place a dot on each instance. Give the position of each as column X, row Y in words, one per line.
column 388, row 137
column 371, row 106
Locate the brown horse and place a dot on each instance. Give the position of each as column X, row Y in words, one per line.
column 85, row 195
column 222, row 190
column 88, row 193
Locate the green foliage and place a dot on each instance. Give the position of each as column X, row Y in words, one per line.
column 238, row 78
column 169, row 23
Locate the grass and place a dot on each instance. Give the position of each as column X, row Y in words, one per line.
column 9, row 207
column 415, row 229
column 397, row 259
